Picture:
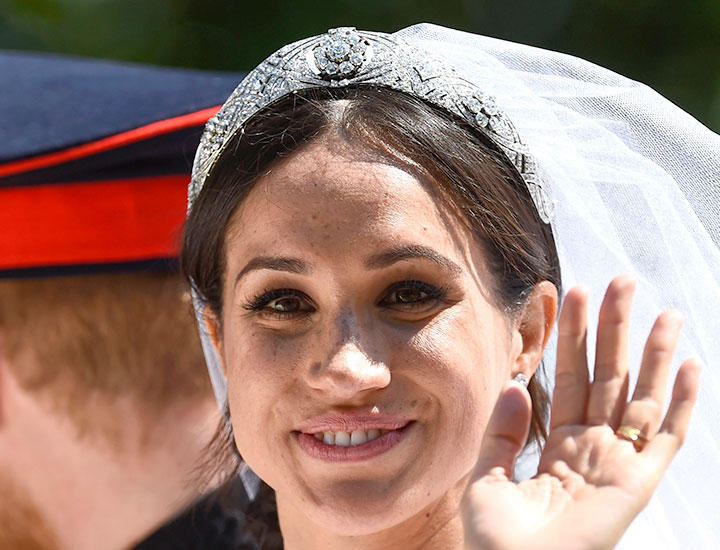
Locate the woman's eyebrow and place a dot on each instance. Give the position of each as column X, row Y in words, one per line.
column 386, row 259
column 277, row 263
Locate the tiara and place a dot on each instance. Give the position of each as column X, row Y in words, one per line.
column 347, row 57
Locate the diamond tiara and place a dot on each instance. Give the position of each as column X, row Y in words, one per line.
column 348, row 57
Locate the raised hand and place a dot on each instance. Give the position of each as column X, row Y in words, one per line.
column 604, row 456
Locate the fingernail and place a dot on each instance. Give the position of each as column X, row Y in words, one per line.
column 583, row 290
column 675, row 317
column 631, row 279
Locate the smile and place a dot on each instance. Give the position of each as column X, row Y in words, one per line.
column 351, row 445
column 349, row 439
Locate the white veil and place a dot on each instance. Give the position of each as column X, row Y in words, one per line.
column 636, row 187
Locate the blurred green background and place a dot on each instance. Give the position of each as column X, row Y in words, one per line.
column 672, row 45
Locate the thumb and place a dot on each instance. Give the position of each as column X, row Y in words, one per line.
column 506, row 433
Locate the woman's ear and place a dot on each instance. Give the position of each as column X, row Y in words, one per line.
column 212, row 326
column 534, row 327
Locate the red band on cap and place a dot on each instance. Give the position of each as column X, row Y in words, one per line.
column 92, row 222
column 118, row 140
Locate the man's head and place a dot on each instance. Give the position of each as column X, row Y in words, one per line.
column 115, row 360
column 105, row 404
column 82, row 341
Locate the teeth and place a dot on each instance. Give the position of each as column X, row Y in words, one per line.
column 358, row 436
column 349, row 439
column 342, row 439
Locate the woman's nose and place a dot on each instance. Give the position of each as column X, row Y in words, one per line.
column 348, row 372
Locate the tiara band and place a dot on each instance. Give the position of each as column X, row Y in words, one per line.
column 347, row 57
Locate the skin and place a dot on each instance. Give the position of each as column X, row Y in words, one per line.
column 65, row 490
column 586, row 471
column 347, row 338
column 23, row 526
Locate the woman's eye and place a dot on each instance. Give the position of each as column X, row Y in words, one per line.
column 282, row 302
column 286, row 305
column 411, row 295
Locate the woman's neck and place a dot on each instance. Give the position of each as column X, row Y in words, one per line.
column 438, row 526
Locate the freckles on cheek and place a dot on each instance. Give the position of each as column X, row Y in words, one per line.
column 261, row 388
column 261, row 362
column 452, row 350
column 459, row 360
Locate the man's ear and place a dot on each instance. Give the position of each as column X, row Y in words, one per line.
column 212, row 326
column 9, row 388
column 534, row 327
column 3, row 391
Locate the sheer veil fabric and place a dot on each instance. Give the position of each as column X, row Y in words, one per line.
column 636, row 186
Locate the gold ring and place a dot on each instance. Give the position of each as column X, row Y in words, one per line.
column 634, row 435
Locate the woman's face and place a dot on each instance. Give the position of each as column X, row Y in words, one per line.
column 363, row 349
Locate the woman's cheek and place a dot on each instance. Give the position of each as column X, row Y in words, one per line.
column 256, row 352
column 458, row 362
column 256, row 379
column 451, row 348
column 257, row 367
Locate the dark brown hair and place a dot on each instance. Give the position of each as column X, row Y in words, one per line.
column 469, row 173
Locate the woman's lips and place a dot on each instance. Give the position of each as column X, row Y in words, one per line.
column 352, row 445
column 351, row 436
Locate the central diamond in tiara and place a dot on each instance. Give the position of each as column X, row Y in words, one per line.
column 340, row 54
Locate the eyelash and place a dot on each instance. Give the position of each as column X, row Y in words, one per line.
column 260, row 301
column 431, row 292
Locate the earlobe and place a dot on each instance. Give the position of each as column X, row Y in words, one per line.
column 535, row 327
column 212, row 328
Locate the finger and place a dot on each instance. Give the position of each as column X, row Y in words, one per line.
column 608, row 392
column 644, row 412
column 506, row 432
column 569, row 400
column 672, row 433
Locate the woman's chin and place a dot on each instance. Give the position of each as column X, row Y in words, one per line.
column 358, row 507
column 361, row 513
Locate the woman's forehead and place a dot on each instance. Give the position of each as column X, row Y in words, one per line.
column 337, row 185
column 332, row 201
column 342, row 170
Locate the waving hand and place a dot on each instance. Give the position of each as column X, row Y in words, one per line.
column 604, row 455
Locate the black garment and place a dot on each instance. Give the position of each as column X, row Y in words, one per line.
column 224, row 520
